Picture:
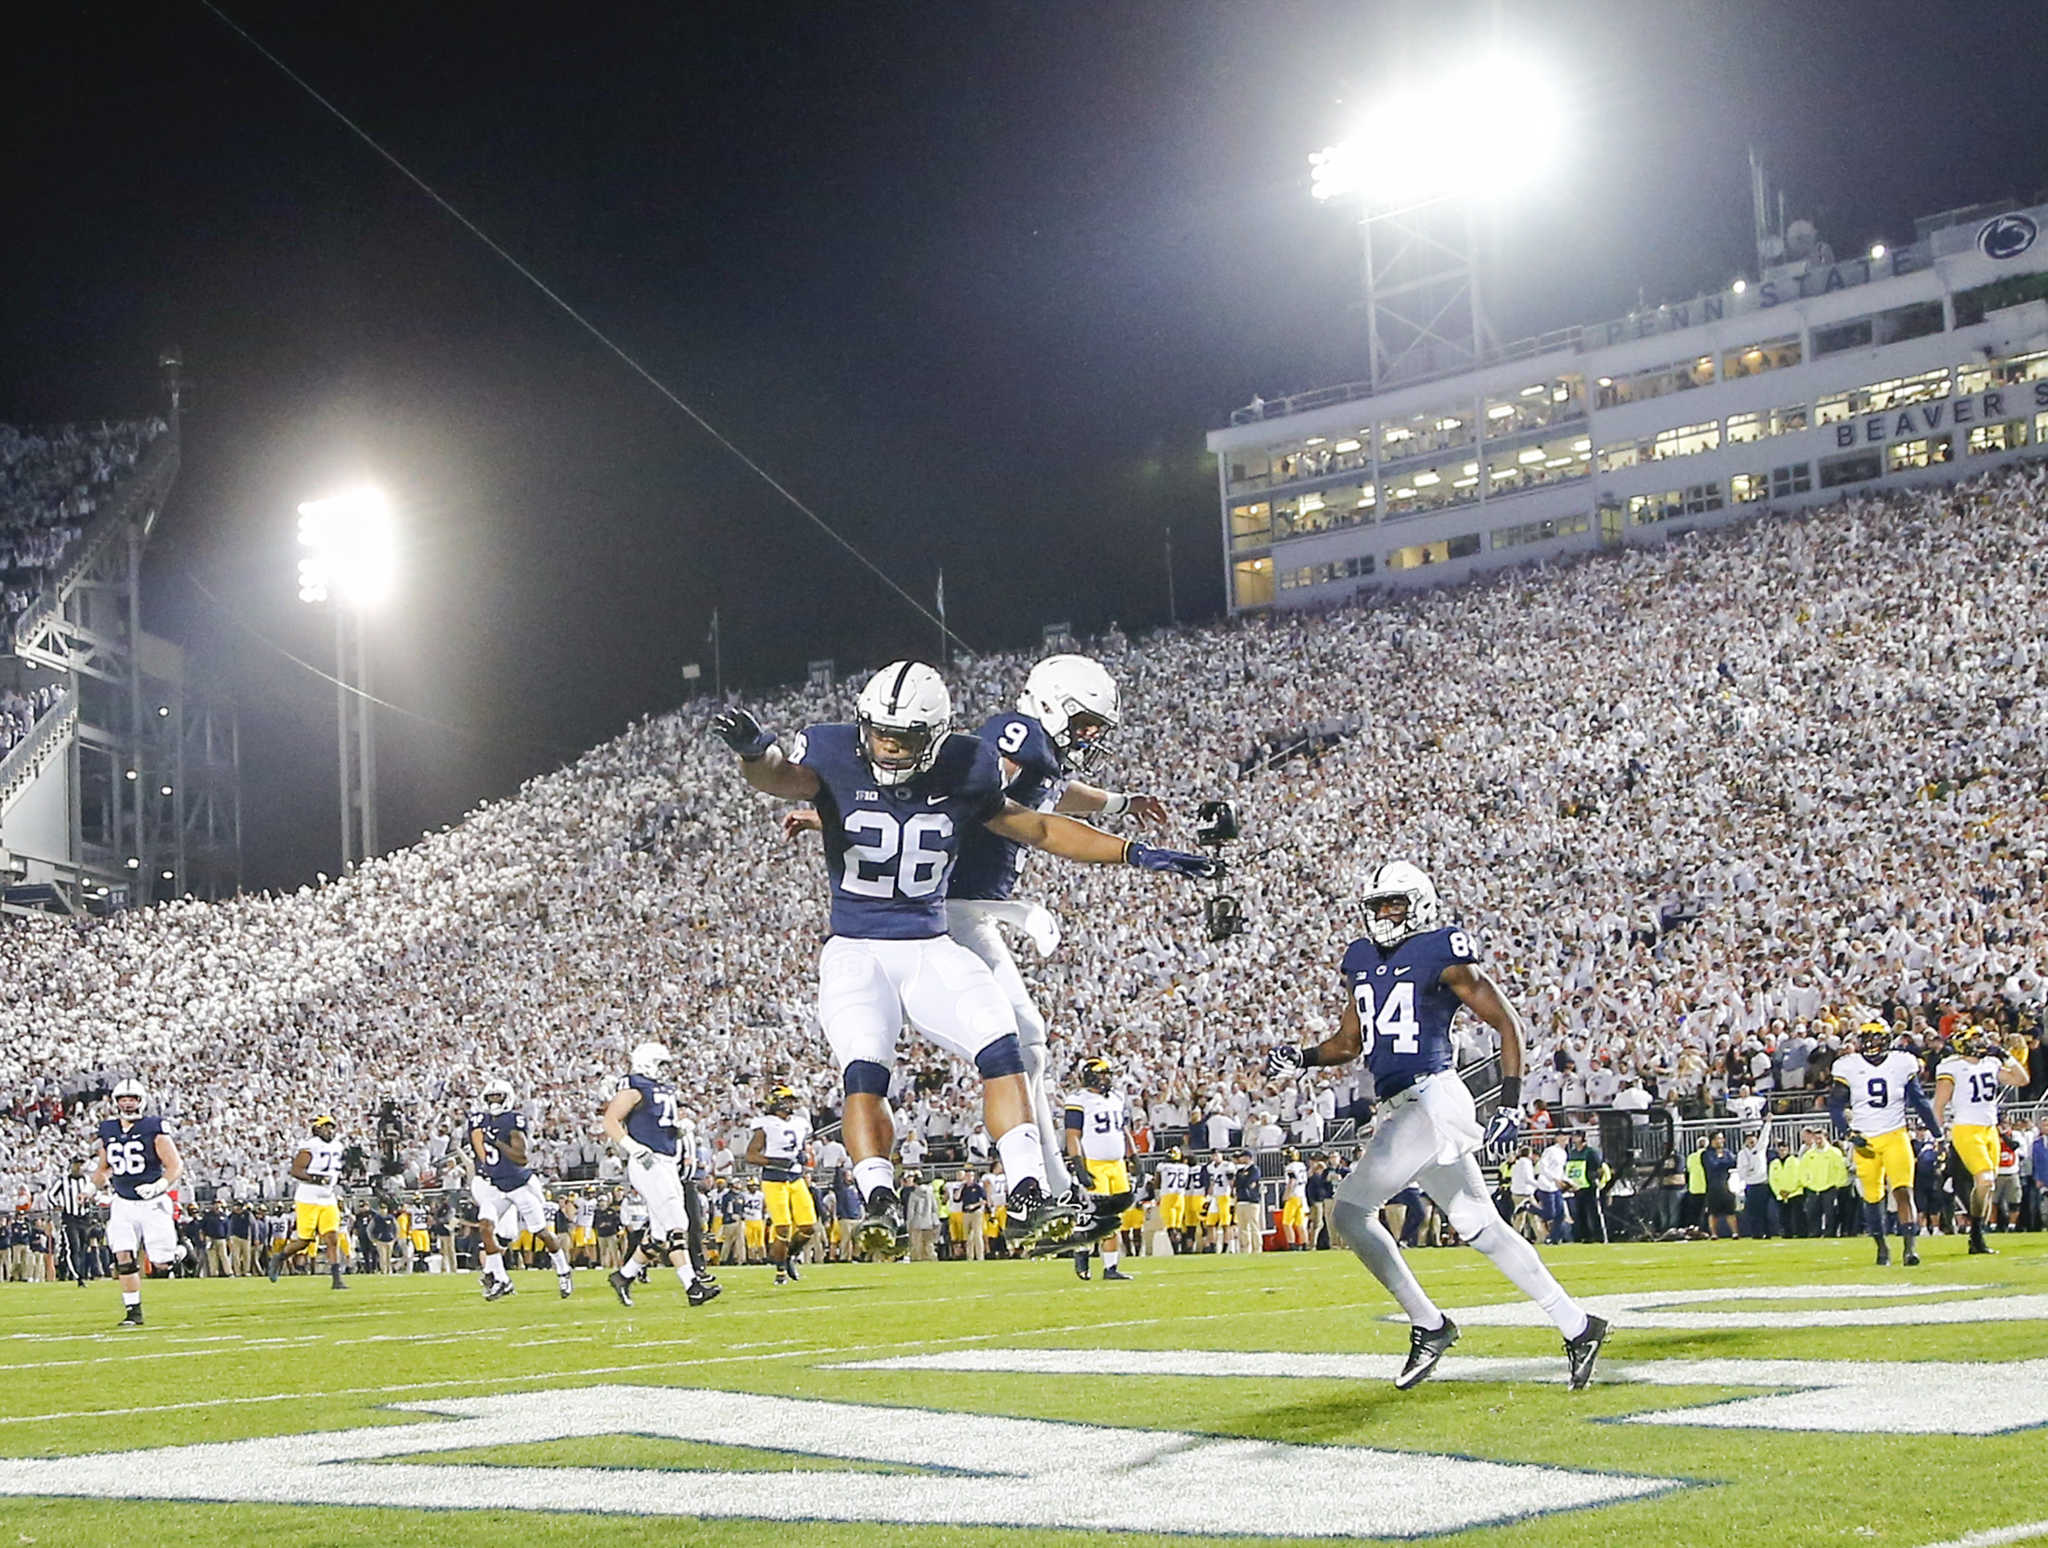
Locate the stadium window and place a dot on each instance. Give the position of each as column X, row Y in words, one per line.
column 1415, row 555
column 1701, row 498
column 1685, row 440
column 1747, row 488
column 1765, row 355
column 1928, row 451
column 1463, row 547
column 1913, row 321
column 1645, row 509
column 2006, row 435
column 1424, row 435
column 1613, row 520
column 2041, row 429
column 1794, row 480
column 1974, row 305
column 1327, row 573
column 1856, row 333
column 1786, row 420
column 1855, row 468
column 1903, row 391
column 1252, row 582
column 1251, row 473
column 1744, row 428
column 1623, row 454
column 2021, row 368
column 1540, row 531
column 1972, row 376
column 1251, row 525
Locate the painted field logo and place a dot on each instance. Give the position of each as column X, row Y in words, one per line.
column 2006, row 236
column 979, row 1470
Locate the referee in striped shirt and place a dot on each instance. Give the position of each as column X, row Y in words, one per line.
column 72, row 1198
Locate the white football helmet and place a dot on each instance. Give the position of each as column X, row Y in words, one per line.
column 907, row 702
column 131, row 1087
column 651, row 1060
column 1075, row 699
column 1410, row 883
column 496, row 1095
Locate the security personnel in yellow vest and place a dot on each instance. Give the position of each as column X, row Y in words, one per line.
column 1789, row 1191
column 1823, row 1173
column 1695, row 1191
column 1585, row 1171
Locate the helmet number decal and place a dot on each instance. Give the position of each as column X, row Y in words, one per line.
column 1394, row 1020
column 907, row 859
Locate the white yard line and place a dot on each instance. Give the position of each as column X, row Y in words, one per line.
column 1991, row 1537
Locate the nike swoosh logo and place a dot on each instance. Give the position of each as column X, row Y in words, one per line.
column 933, row 800
column 1399, row 971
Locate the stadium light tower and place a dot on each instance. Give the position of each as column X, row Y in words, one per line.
column 1418, row 165
column 350, row 563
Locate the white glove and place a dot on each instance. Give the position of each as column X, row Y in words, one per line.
column 1283, row 1063
column 152, row 1190
column 637, row 1153
column 1042, row 928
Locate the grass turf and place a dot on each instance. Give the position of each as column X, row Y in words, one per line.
column 226, row 1361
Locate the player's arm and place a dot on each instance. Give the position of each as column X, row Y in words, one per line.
column 101, row 1169
column 1074, row 1124
column 1838, row 1110
column 1084, row 800
column 1479, row 994
column 2013, row 1072
column 1346, row 1044
column 514, row 1146
column 623, row 1101
column 302, row 1168
column 757, row 1149
column 1944, row 1089
column 796, row 824
column 762, row 761
column 167, row 1156
column 1916, row 1102
column 1071, row 840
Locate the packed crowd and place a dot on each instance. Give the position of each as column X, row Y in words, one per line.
column 51, row 483
column 1705, row 804
column 19, row 712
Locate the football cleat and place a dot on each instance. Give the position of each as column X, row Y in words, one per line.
column 881, row 1233
column 1117, row 1273
column 700, row 1291
column 132, row 1317
column 497, row 1289
column 566, row 1283
column 1580, row 1353
column 794, row 1276
column 274, row 1266
column 622, row 1287
column 1426, row 1346
column 1884, row 1255
column 1034, row 1218
column 781, row 1278
column 1912, row 1258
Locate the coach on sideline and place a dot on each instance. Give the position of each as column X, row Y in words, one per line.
column 72, row 1198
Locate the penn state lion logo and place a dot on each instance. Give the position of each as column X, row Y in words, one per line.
column 2006, row 236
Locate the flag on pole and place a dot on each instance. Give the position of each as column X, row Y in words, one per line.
column 942, row 596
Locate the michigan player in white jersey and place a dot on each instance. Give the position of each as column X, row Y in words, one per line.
column 1099, row 1148
column 316, row 1202
column 894, row 792
column 1405, row 982
column 1873, row 1088
column 645, row 1124
column 142, row 1163
column 1966, row 1087
column 776, row 1146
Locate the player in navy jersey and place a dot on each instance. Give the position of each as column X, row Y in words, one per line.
column 508, row 1196
column 1404, row 983
column 644, row 1122
column 142, row 1163
column 894, row 793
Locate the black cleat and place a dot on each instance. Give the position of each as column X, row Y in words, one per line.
column 132, row 1317
column 1426, row 1346
column 1117, row 1273
column 1080, row 1265
column 274, row 1267
column 622, row 1287
column 1580, row 1353
column 881, row 1234
column 497, row 1289
column 1912, row 1258
column 1884, row 1255
column 1979, row 1248
column 338, row 1284
column 794, row 1276
column 1036, row 1219
column 700, row 1291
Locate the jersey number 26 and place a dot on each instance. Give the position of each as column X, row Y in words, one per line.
column 919, row 848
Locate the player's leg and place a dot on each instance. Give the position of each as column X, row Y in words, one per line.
column 330, row 1245
column 1399, row 1148
column 978, row 931
column 124, row 1241
column 861, row 1009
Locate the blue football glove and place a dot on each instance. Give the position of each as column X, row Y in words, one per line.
column 742, row 733
column 1178, row 862
column 1502, row 1128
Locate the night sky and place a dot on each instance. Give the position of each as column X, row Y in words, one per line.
column 971, row 279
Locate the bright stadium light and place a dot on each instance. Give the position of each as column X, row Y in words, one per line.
column 351, row 550
column 1489, row 126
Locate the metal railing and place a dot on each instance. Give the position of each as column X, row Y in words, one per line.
column 24, row 760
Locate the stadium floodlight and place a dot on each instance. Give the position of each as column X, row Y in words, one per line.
column 1489, row 126
column 351, row 549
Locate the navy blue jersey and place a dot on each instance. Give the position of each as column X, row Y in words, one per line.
column 652, row 1120
column 989, row 863
column 890, row 848
column 1404, row 1008
column 131, row 1153
column 499, row 1169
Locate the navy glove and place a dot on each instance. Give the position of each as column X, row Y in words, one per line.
column 1284, row 1063
column 1147, row 858
column 742, row 733
column 1502, row 1128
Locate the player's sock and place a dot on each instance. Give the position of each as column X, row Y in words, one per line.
column 1909, row 1230
column 1111, row 1259
column 560, row 1260
column 875, row 1172
column 1873, row 1221
column 131, row 1297
column 1057, row 1177
column 1515, row 1258
column 630, row 1269
column 1022, row 1156
column 494, row 1266
column 686, row 1272
column 1375, row 1247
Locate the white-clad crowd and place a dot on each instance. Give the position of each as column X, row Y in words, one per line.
column 1788, row 771
column 51, row 483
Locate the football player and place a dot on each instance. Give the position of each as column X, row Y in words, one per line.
column 777, row 1147
column 1404, row 982
column 1873, row 1089
column 143, row 1164
column 316, row 1202
column 1294, row 1205
column 1067, row 710
column 508, row 1196
column 1969, row 1078
column 894, row 792
column 1173, row 1197
column 1098, row 1146
column 642, row 1120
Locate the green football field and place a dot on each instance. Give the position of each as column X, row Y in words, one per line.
column 1770, row 1393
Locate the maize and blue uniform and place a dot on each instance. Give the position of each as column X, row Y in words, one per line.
column 1973, row 1109
column 1878, row 1093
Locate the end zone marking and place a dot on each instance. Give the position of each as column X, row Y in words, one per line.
column 1991, row 1537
